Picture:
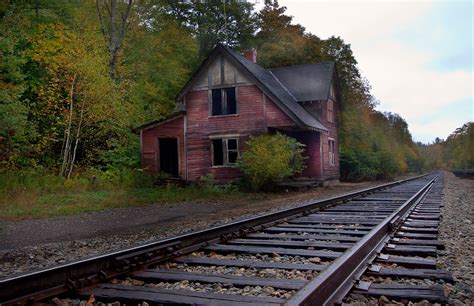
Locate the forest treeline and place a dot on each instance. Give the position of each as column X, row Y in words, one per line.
column 77, row 76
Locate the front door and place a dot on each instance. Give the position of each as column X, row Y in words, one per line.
column 169, row 156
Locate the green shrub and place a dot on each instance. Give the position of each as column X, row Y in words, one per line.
column 366, row 165
column 270, row 158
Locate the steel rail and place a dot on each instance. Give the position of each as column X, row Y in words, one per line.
column 335, row 282
column 49, row 282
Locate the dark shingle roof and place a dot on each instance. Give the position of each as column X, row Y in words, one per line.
column 276, row 87
column 307, row 82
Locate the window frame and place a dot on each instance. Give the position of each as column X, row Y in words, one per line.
column 224, row 102
column 225, row 151
column 332, row 151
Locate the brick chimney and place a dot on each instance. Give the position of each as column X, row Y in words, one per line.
column 251, row 55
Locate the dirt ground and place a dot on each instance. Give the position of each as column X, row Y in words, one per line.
column 125, row 221
column 34, row 244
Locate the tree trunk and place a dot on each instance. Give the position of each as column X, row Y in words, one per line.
column 79, row 125
column 67, row 146
column 112, row 29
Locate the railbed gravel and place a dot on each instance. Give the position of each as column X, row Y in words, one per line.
column 457, row 233
column 248, row 272
column 400, row 280
column 210, row 288
column 41, row 256
column 265, row 257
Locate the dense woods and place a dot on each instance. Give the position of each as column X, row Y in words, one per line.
column 76, row 77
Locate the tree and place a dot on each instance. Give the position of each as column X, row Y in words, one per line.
column 215, row 21
column 15, row 132
column 154, row 78
column 113, row 17
column 459, row 148
column 281, row 43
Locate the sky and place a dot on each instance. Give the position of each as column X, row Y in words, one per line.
column 417, row 55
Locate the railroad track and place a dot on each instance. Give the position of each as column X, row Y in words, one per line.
column 342, row 250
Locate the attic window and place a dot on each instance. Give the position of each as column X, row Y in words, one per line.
column 223, row 102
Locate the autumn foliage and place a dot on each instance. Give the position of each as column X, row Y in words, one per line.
column 268, row 159
column 63, row 107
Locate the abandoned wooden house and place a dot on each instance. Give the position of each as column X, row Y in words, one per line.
column 230, row 98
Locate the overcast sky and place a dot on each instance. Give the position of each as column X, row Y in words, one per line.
column 417, row 55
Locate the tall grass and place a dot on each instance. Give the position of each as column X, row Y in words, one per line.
column 39, row 193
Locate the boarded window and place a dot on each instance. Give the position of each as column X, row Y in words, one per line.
column 330, row 111
column 225, row 151
column 332, row 153
column 224, row 101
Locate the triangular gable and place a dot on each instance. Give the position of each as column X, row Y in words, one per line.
column 266, row 82
column 220, row 72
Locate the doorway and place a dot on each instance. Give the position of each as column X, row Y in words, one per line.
column 169, row 156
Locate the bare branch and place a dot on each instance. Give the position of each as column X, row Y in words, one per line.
column 107, row 7
column 101, row 19
column 123, row 26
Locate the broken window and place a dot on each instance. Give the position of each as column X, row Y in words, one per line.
column 225, row 151
column 224, row 101
column 332, row 154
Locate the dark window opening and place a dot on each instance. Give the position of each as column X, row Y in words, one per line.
column 225, row 152
column 224, row 101
column 169, row 156
column 232, row 151
column 218, row 152
column 217, row 102
column 231, row 102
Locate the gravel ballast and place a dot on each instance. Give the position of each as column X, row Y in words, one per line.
column 31, row 245
column 457, row 233
column 35, row 244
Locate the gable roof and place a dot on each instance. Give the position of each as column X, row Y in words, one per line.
column 307, row 82
column 273, row 86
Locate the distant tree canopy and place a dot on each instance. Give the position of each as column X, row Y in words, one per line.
column 456, row 152
column 75, row 76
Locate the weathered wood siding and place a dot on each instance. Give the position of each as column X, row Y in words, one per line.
column 150, row 158
column 221, row 72
column 201, row 128
column 312, row 152
column 329, row 171
column 255, row 113
column 274, row 117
